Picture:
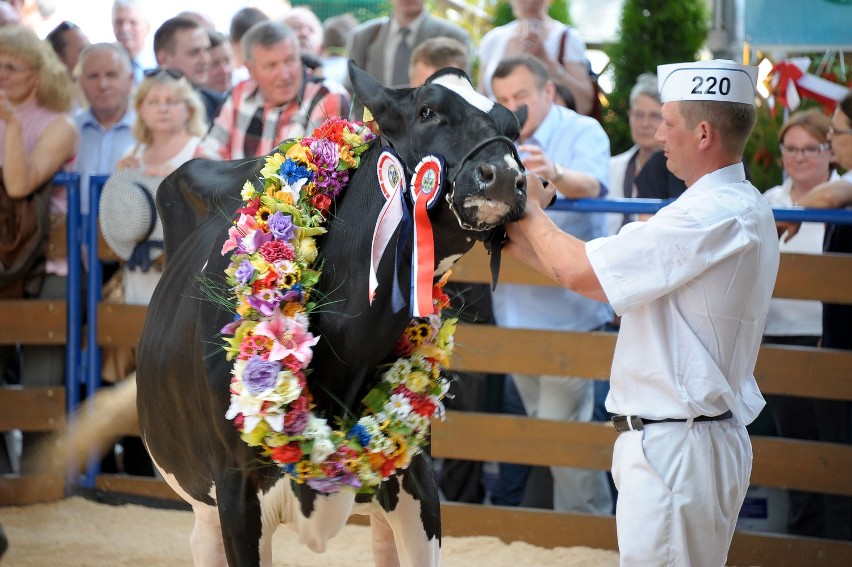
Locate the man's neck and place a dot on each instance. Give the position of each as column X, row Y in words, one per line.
column 107, row 119
column 406, row 19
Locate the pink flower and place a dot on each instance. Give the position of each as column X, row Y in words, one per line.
column 244, row 226
column 290, row 337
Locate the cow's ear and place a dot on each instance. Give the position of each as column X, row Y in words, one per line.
column 369, row 91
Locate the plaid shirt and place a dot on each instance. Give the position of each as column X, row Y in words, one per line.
column 227, row 137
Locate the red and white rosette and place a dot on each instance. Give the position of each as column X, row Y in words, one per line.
column 791, row 82
column 391, row 174
column 425, row 190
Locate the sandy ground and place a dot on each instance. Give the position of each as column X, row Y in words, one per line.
column 76, row 532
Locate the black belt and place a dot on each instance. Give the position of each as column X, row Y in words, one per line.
column 624, row 423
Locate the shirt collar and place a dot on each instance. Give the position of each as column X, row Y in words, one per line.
column 413, row 26
column 723, row 176
column 546, row 130
column 88, row 120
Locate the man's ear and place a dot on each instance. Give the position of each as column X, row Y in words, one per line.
column 705, row 134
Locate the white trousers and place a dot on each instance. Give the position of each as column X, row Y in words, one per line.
column 680, row 489
column 567, row 399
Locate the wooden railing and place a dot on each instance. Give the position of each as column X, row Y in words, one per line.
column 810, row 372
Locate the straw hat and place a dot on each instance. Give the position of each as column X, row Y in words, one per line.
column 128, row 217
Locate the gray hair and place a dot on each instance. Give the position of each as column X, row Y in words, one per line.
column 646, row 84
column 115, row 47
column 267, row 34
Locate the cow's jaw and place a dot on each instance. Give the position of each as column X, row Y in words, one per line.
column 486, row 212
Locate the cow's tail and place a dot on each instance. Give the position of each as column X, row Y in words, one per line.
column 92, row 429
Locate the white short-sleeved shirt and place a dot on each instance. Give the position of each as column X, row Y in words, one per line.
column 493, row 44
column 795, row 317
column 692, row 285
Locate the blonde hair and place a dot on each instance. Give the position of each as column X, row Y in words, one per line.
column 53, row 87
column 196, row 124
column 812, row 121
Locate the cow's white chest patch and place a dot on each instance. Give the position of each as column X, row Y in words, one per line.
column 446, row 264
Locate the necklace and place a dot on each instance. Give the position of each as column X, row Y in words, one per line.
column 271, row 276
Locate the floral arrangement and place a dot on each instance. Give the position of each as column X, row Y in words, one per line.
column 271, row 275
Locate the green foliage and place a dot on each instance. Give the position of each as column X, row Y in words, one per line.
column 652, row 32
column 762, row 156
column 362, row 9
column 559, row 11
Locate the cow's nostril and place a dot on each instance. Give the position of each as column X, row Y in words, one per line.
column 487, row 173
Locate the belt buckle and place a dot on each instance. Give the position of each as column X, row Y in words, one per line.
column 624, row 423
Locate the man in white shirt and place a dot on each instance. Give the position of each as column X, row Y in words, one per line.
column 692, row 286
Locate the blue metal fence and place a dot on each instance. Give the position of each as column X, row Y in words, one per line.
column 83, row 367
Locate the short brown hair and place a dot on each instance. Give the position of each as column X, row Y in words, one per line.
column 812, row 121
column 733, row 120
column 440, row 52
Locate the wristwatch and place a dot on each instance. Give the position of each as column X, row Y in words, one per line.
column 559, row 172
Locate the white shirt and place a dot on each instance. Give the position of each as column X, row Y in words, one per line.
column 796, row 317
column 693, row 286
column 493, row 44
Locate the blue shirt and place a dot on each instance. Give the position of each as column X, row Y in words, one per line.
column 577, row 143
column 100, row 149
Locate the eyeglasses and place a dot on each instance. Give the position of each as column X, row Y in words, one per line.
column 170, row 71
column 652, row 116
column 807, row 151
column 833, row 132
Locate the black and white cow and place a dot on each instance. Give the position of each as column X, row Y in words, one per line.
column 183, row 376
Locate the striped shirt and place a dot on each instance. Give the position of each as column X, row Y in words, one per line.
column 232, row 131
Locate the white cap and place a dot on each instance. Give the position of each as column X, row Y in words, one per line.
column 127, row 205
column 720, row 80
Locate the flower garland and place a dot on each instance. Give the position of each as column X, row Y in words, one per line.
column 271, row 275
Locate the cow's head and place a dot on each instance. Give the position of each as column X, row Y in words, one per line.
column 485, row 186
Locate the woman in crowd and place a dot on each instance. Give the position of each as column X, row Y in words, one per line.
column 808, row 162
column 170, row 122
column 37, row 138
column 535, row 33
column 645, row 116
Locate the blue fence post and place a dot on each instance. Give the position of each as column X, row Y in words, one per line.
column 93, row 299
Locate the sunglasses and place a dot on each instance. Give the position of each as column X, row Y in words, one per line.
column 170, row 71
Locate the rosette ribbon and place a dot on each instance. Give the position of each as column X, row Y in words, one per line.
column 425, row 190
column 392, row 182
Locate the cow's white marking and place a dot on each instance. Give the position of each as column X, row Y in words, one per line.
column 511, row 162
column 488, row 211
column 446, row 264
column 463, row 88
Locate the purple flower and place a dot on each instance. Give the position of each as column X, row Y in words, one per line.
column 326, row 153
column 260, row 375
column 261, row 237
column 245, row 272
column 296, row 424
column 266, row 302
column 328, row 485
column 281, row 226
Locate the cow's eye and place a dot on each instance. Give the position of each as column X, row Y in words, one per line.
column 426, row 113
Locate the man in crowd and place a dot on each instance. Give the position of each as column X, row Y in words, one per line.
column 130, row 26
column 383, row 46
column 436, row 53
column 106, row 77
column 692, row 286
column 572, row 151
column 182, row 43
column 279, row 101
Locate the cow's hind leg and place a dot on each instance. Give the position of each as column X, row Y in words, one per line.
column 208, row 550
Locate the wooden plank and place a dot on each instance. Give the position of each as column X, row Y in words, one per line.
column 822, row 277
column 120, row 324
column 18, row 490
column 32, row 409
column 137, row 486
column 517, row 439
column 544, row 528
column 819, row 467
column 780, row 550
column 809, row 372
column 486, row 348
column 36, row 321
column 800, row 276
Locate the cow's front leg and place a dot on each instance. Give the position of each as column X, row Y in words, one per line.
column 322, row 516
column 206, row 537
column 413, row 511
column 240, row 516
column 383, row 543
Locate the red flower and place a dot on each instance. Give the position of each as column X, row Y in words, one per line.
column 423, row 406
column 287, row 454
column 331, row 129
column 263, row 283
column 251, row 207
column 321, row 202
column 276, row 250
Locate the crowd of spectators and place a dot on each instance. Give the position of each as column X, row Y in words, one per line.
column 125, row 110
